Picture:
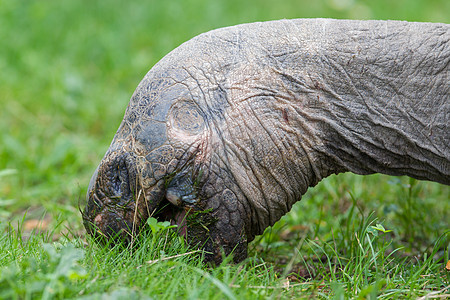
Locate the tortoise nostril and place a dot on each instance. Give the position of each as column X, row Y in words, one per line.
column 117, row 184
column 121, row 175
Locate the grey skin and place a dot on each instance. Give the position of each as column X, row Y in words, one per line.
column 226, row 132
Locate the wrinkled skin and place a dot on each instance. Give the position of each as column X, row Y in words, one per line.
column 226, row 132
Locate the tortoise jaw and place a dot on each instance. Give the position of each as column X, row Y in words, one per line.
column 110, row 228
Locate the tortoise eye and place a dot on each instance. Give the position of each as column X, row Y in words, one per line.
column 186, row 116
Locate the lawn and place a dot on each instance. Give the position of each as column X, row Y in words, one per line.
column 68, row 69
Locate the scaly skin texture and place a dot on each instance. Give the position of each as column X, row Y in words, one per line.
column 226, row 132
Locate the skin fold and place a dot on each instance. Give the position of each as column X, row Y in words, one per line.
column 229, row 130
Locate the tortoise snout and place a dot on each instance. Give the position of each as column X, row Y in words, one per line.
column 111, row 197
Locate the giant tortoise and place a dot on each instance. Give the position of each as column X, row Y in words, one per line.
column 226, row 132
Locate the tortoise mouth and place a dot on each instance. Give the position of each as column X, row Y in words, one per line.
column 112, row 222
column 166, row 211
column 110, row 228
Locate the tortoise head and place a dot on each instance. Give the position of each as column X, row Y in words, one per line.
column 151, row 166
column 160, row 164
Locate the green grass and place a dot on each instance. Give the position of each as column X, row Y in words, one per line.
column 68, row 69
